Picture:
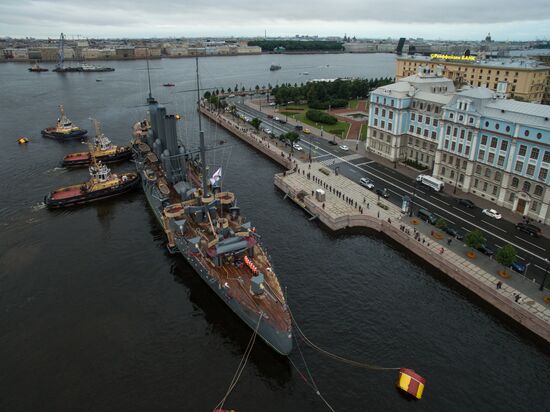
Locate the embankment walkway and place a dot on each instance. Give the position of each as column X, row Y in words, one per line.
column 348, row 204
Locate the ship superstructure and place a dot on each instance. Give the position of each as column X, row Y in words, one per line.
column 205, row 225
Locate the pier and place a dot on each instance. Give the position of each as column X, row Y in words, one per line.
column 346, row 204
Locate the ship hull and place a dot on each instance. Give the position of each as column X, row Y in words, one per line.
column 278, row 340
column 50, row 134
column 85, row 160
column 85, row 198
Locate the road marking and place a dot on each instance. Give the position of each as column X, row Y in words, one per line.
column 317, row 157
column 466, row 213
column 365, row 163
column 522, row 258
column 467, row 230
column 439, row 200
column 532, row 244
column 444, row 218
column 541, row 268
column 496, row 227
column 400, row 187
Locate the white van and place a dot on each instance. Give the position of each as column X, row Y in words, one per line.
column 431, row 182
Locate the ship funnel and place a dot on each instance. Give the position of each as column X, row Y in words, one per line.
column 161, row 133
column 235, row 212
column 171, row 134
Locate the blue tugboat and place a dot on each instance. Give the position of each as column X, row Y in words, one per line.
column 64, row 129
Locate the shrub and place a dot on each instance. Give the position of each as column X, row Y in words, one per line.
column 321, row 117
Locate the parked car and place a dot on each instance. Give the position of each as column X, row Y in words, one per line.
column 282, row 121
column 492, row 213
column 268, row 131
column 344, row 147
column 270, row 116
column 367, row 183
column 276, row 119
column 385, row 193
column 297, row 147
column 307, row 131
column 427, row 216
column 530, row 229
column 466, row 202
column 458, row 234
column 332, row 143
column 518, row 267
column 486, row 250
column 298, row 127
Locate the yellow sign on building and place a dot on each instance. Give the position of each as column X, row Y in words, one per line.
column 452, row 57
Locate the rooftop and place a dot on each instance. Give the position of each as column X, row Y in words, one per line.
column 521, row 63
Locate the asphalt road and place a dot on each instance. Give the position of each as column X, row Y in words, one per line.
column 531, row 251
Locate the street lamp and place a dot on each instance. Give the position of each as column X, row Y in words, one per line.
column 545, row 274
column 412, row 200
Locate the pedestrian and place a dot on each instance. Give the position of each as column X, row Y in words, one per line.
column 364, row 200
column 432, row 233
column 449, row 241
column 379, row 213
column 517, row 298
column 423, row 240
column 323, row 205
column 499, row 285
column 441, row 251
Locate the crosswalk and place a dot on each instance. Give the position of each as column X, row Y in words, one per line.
column 336, row 160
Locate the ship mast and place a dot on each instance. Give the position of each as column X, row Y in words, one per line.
column 150, row 99
column 201, row 137
column 61, row 53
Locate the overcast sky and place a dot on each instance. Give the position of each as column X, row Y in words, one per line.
column 431, row 19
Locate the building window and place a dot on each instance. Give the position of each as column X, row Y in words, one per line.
column 449, row 131
column 495, row 189
column 411, row 128
column 487, row 172
column 470, row 134
column 455, row 131
column 451, row 115
column 376, row 110
column 519, row 166
column 526, row 186
column 504, row 145
column 543, row 174
column 483, row 140
column 383, row 112
column 436, row 109
column 390, row 127
column 376, row 122
column 534, row 206
column 494, row 142
column 508, row 128
column 515, row 182
column 512, row 197
column 500, row 161
column 418, row 130
column 478, row 169
column 481, row 155
column 486, row 124
column 530, row 170
column 419, row 118
column 546, row 157
column 434, row 122
column 413, row 116
column 427, row 121
column 534, row 153
column 390, row 115
column 522, row 150
column 539, row 136
column 462, row 131
column 497, row 126
column 443, row 171
column 485, row 186
column 444, row 158
column 460, row 148
column 434, row 135
column 453, row 146
column 491, row 158
column 382, row 124
column 538, row 190
column 476, row 183
column 526, row 133
column 498, row 176
column 467, row 151
column 446, row 143
column 426, row 132
column 464, row 164
column 471, row 120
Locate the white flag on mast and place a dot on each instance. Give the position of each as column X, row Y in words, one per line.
column 216, row 176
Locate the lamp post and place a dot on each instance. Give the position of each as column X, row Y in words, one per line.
column 541, row 288
column 412, row 200
column 456, row 181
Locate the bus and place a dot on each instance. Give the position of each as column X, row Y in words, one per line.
column 431, row 182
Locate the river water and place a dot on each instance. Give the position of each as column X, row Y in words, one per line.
column 96, row 315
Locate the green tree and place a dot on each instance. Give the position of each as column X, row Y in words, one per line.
column 440, row 223
column 474, row 239
column 207, row 95
column 506, row 255
column 257, row 88
column 256, row 123
column 229, row 90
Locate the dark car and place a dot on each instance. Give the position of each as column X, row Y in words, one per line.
column 466, row 202
column 332, row 142
column 454, row 232
column 518, row 267
column 299, row 127
column 530, row 229
column 486, row 250
column 385, row 193
column 427, row 216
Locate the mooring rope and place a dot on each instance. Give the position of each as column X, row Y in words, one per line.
column 242, row 364
column 334, row 356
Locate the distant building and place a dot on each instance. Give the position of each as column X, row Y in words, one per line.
column 474, row 139
column 526, row 79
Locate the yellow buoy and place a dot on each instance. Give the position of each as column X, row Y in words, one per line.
column 22, row 140
column 411, row 382
column 178, row 117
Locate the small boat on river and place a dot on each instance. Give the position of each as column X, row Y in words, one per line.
column 102, row 185
column 103, row 150
column 64, row 129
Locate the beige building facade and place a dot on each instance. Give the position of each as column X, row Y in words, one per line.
column 525, row 79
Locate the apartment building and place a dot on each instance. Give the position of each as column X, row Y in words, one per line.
column 526, row 79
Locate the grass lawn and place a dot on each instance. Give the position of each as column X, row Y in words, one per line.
column 336, row 129
column 363, row 134
column 353, row 103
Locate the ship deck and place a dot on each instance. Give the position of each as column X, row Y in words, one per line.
column 66, row 193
